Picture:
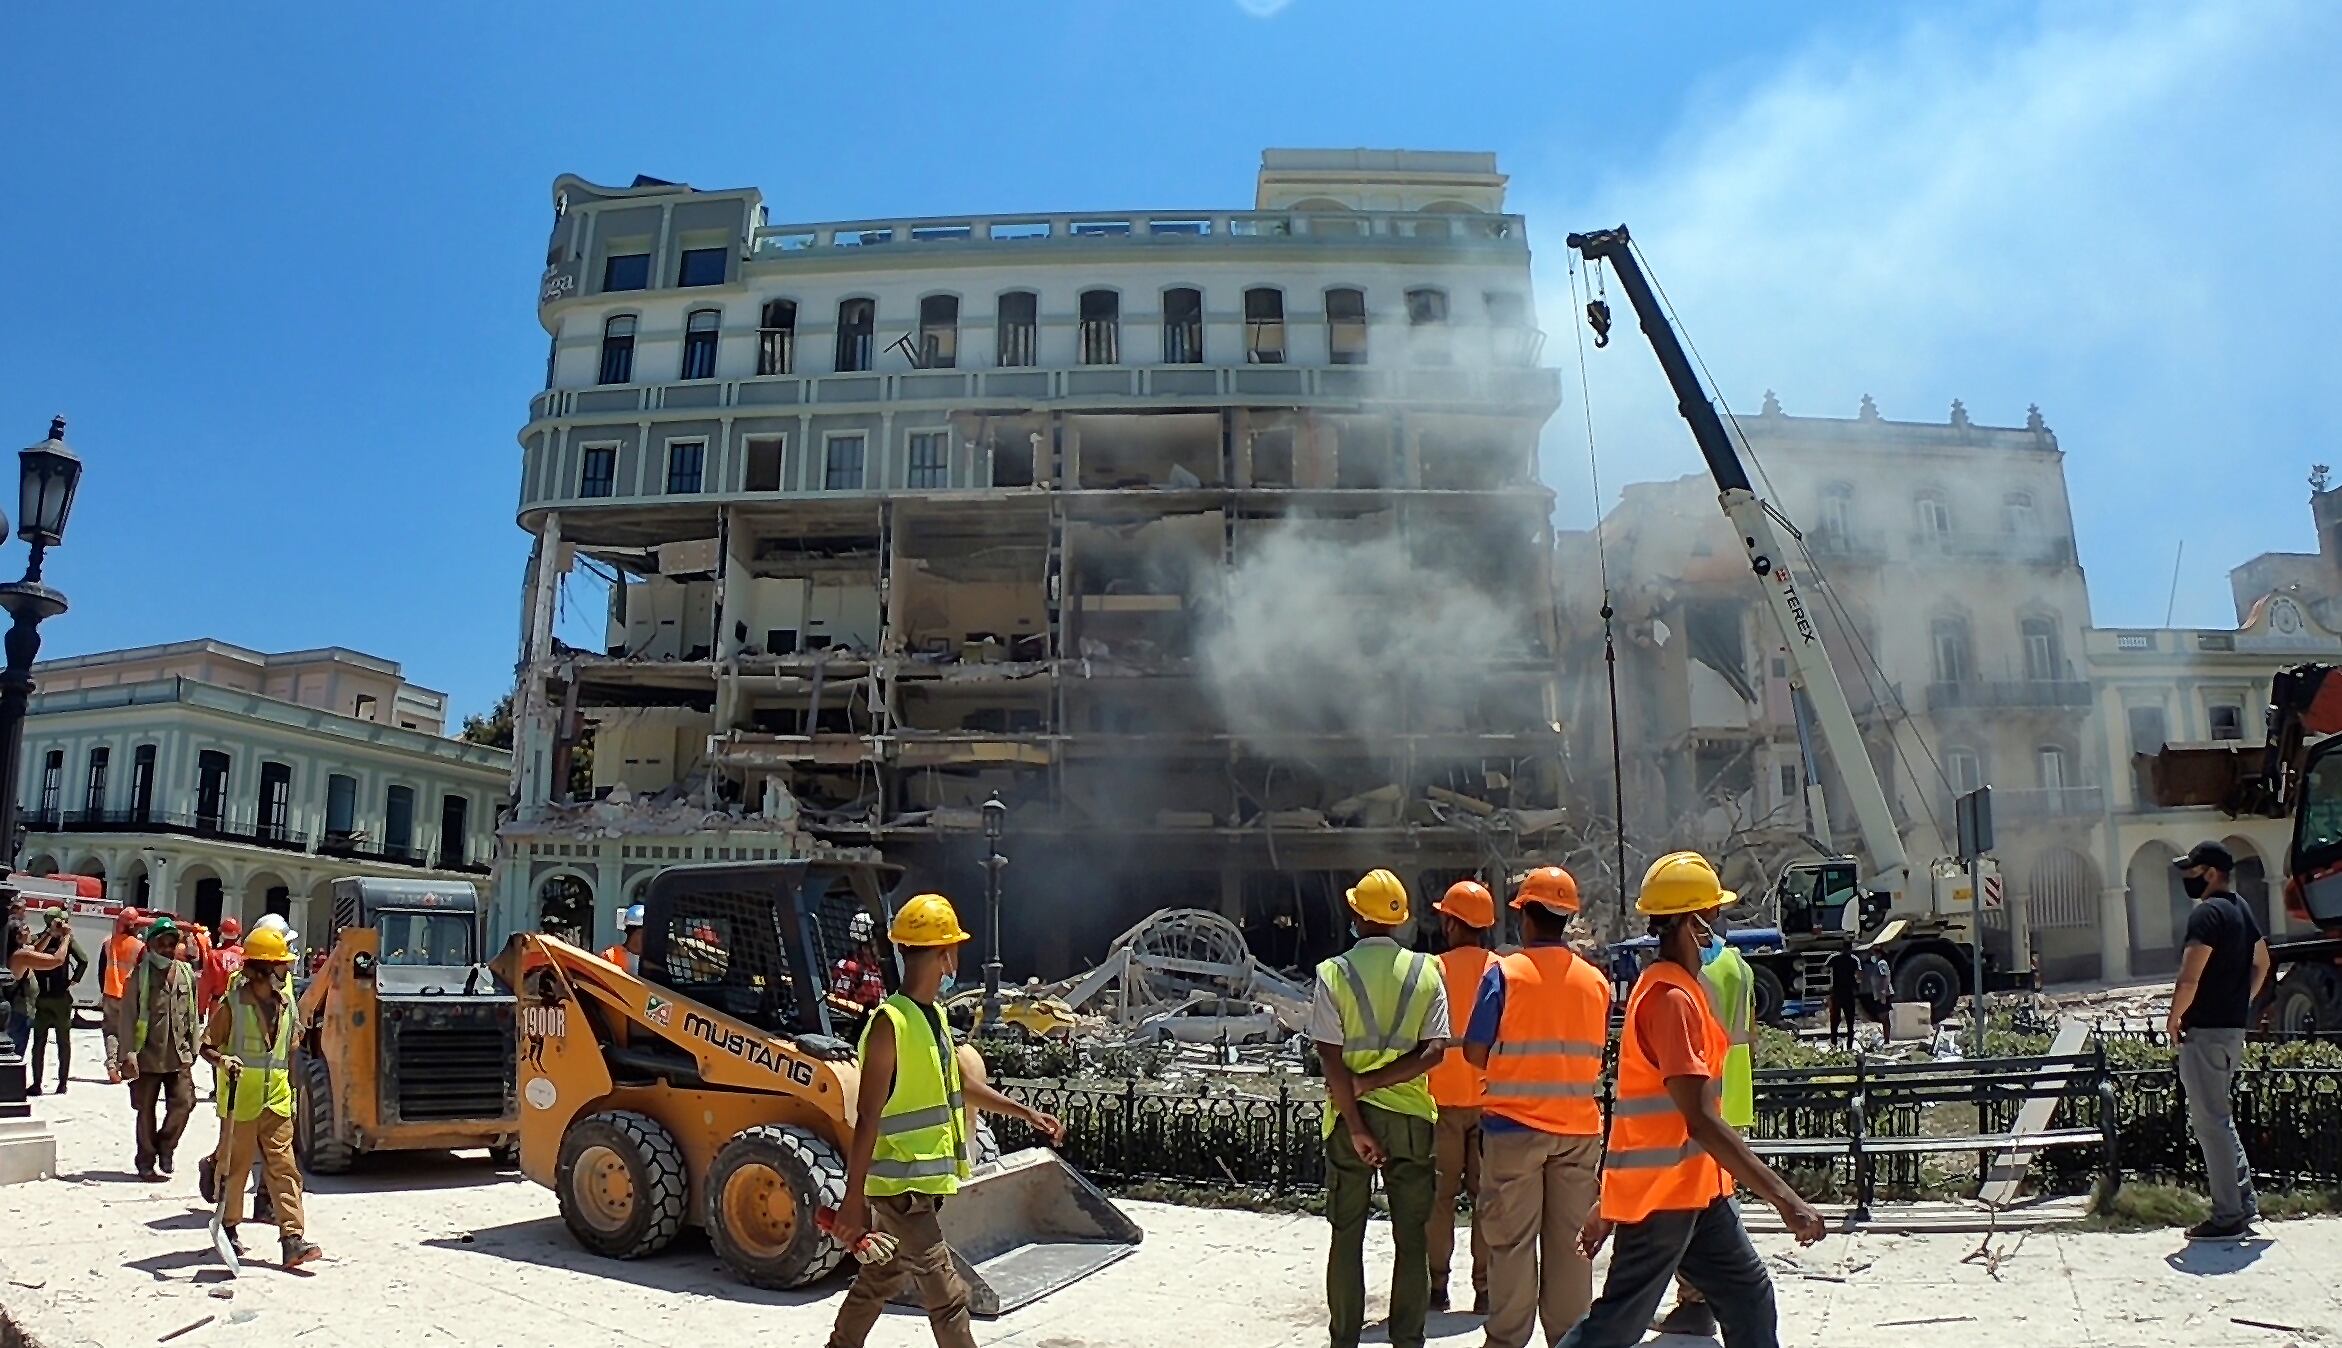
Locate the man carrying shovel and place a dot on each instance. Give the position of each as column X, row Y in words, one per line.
column 250, row 1038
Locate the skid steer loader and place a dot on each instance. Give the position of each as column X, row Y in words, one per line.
column 718, row 1088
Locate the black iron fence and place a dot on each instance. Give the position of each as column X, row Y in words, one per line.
column 1133, row 1131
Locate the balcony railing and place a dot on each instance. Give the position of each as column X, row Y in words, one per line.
column 197, row 824
column 2009, row 695
column 355, row 847
column 2048, row 802
column 1977, row 545
column 1156, row 229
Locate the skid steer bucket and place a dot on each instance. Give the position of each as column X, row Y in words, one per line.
column 1025, row 1226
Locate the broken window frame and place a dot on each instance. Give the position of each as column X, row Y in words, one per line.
column 776, row 337
column 701, row 331
column 597, row 472
column 1427, row 320
column 617, row 364
column 752, row 479
column 928, row 465
column 1264, row 326
column 1183, row 326
column 1101, row 326
column 857, row 335
column 1016, row 338
column 833, row 463
column 1346, row 332
column 686, row 467
column 2226, row 720
column 939, row 332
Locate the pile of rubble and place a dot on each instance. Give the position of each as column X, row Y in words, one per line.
column 1181, row 976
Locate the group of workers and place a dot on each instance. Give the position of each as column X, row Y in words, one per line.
column 165, row 1010
column 1509, row 1112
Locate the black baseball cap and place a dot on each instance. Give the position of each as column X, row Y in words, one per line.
column 2209, row 854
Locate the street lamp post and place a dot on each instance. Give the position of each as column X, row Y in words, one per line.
column 995, row 817
column 48, row 475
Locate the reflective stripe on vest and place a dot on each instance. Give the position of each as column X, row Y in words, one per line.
column 1545, row 1068
column 1455, row 1083
column 138, row 1007
column 265, row 1083
column 922, row 1132
column 1383, row 995
column 1731, row 989
column 1652, row 1164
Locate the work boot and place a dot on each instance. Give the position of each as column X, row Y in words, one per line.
column 151, row 1175
column 207, row 1181
column 163, row 1163
column 33, row 1087
column 1690, row 1318
column 1439, row 1303
column 299, row 1251
column 235, row 1242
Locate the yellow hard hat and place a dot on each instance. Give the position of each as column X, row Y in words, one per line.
column 1379, row 898
column 269, row 946
column 1681, row 882
column 926, row 920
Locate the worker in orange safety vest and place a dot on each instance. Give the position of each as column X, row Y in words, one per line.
column 1540, row 1021
column 119, row 958
column 1467, row 913
column 627, row 954
column 1669, row 1172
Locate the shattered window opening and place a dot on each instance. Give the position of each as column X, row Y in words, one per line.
column 764, row 462
column 939, row 332
column 1101, row 327
column 1346, row 326
column 1183, row 326
column 857, row 326
column 1264, row 326
column 1015, row 340
column 776, row 338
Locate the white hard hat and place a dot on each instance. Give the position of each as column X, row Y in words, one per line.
column 634, row 916
column 273, row 922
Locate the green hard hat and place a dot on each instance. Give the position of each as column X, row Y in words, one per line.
column 159, row 926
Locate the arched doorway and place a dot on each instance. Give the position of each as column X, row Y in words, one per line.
column 2158, row 908
column 565, row 908
column 2251, row 881
column 41, row 863
column 2061, row 897
column 267, row 892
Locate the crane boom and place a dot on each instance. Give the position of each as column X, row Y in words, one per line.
column 1809, row 661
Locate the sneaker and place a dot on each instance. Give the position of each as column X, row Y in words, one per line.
column 1690, row 1318
column 299, row 1251
column 2212, row 1230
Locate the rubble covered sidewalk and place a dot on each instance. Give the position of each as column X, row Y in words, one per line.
column 428, row 1251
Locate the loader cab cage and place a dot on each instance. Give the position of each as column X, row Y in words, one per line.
column 421, row 922
column 1813, row 895
column 758, row 942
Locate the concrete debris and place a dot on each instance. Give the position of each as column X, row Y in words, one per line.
column 187, row 1329
column 1183, row 965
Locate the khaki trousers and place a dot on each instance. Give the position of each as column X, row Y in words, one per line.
column 1455, row 1159
column 923, row 1258
column 1537, row 1189
column 270, row 1138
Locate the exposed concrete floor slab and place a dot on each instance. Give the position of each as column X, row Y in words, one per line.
column 448, row 1251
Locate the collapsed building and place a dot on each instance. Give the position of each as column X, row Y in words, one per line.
column 1210, row 542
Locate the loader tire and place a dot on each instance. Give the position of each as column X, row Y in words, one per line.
column 320, row 1150
column 763, row 1191
column 621, row 1184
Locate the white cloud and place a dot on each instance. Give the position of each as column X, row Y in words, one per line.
column 2126, row 215
column 1263, row 9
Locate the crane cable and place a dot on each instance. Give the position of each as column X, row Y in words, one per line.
column 1869, row 658
column 1602, row 562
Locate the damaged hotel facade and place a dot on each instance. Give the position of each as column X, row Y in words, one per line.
column 1211, row 541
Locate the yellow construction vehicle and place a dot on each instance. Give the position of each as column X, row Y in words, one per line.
column 718, row 1088
column 406, row 1037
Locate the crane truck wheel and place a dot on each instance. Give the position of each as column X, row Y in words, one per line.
column 621, row 1183
column 2308, row 999
column 1926, row 976
column 1770, row 995
column 314, row 1141
column 762, row 1193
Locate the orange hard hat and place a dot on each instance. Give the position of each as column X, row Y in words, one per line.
column 1548, row 887
column 231, row 927
column 1469, row 902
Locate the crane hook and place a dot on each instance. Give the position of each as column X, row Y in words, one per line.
column 1598, row 318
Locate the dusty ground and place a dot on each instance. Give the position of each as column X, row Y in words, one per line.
column 448, row 1251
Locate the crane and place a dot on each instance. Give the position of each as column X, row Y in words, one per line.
column 1925, row 932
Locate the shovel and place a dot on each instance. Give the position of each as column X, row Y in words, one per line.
column 219, row 1212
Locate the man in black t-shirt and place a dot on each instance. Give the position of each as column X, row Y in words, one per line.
column 1845, row 979
column 2225, row 962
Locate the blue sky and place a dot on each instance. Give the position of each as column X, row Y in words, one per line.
column 277, row 264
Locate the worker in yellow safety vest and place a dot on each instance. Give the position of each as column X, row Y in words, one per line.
column 1667, row 1177
column 911, row 1146
column 1731, row 986
column 250, row 1038
column 1467, row 914
column 1540, row 1021
column 1379, row 1018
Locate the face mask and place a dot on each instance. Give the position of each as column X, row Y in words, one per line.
column 950, row 981
column 1714, row 949
column 2195, row 885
